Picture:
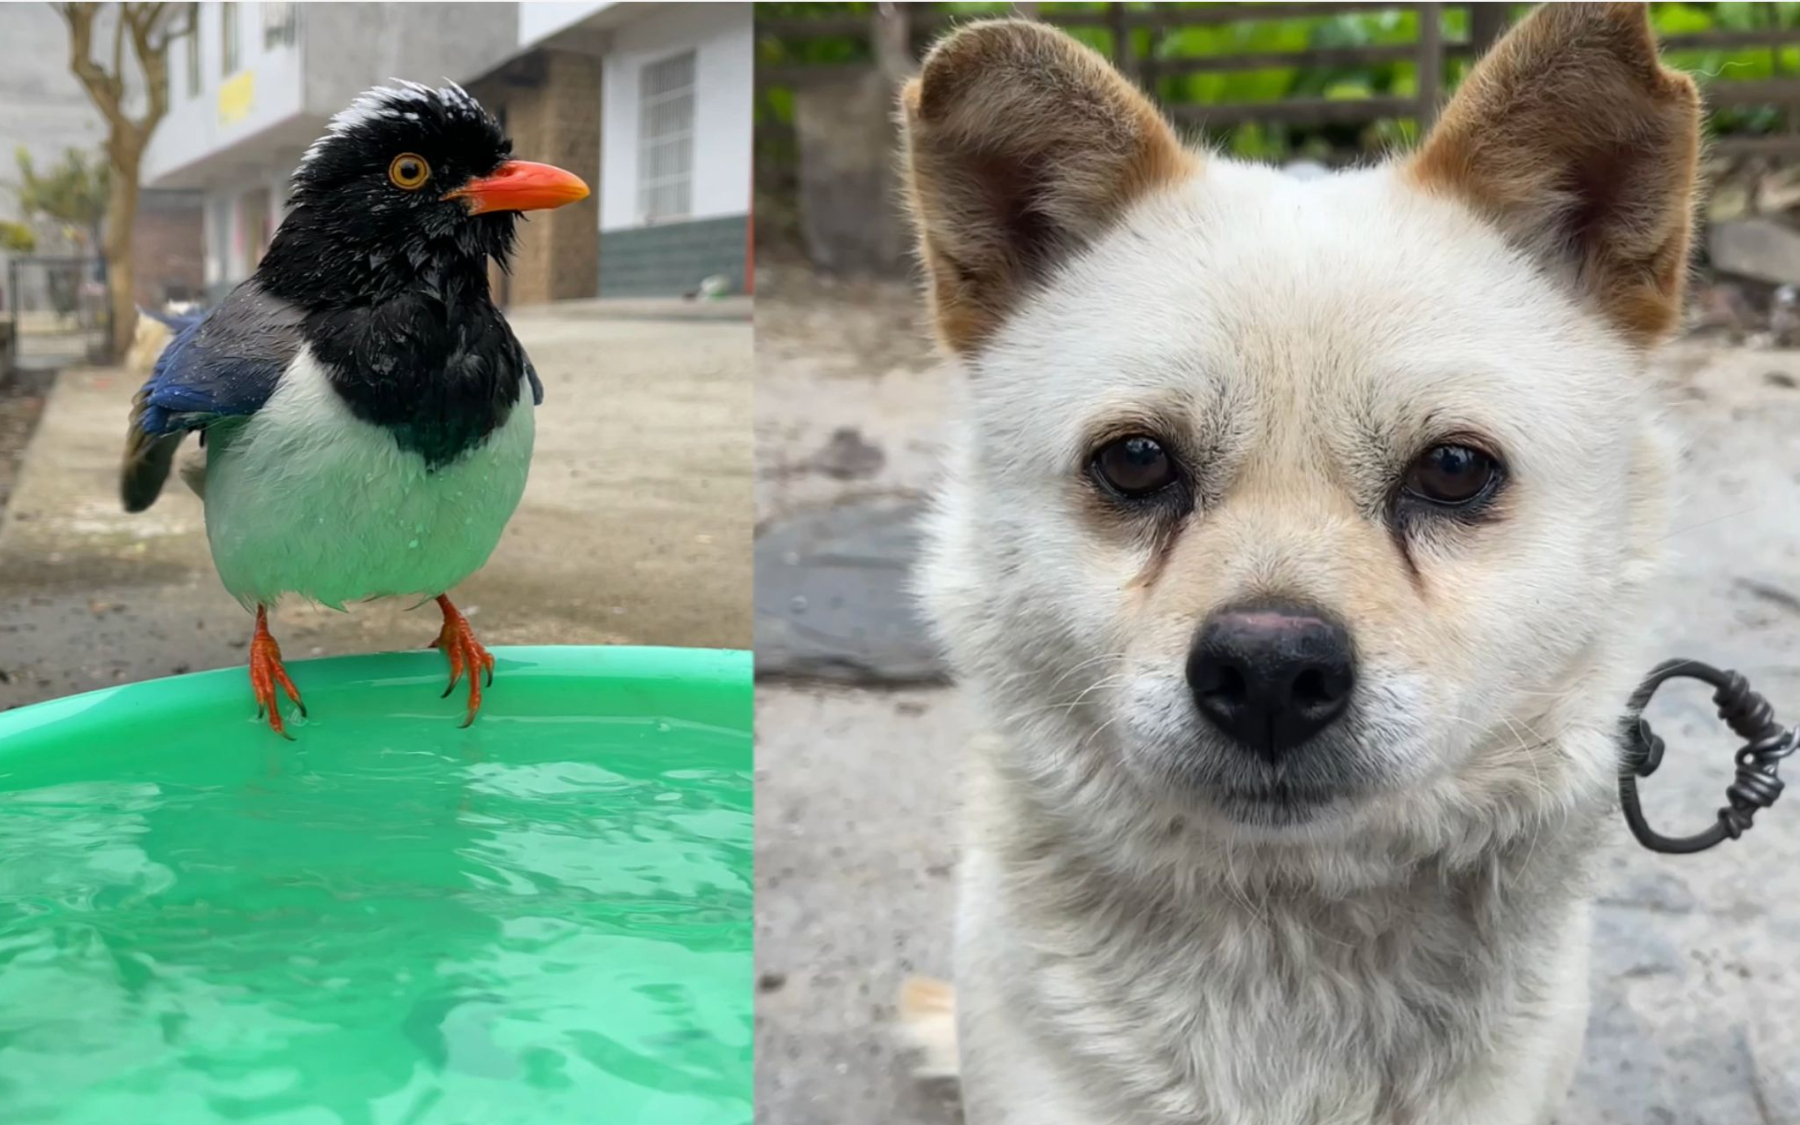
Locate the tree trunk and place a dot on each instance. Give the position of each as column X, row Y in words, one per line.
column 121, row 217
column 141, row 24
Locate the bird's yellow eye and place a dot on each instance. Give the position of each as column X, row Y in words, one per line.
column 409, row 171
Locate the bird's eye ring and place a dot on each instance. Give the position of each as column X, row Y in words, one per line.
column 409, row 171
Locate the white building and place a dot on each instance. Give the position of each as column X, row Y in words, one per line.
column 675, row 138
column 666, row 86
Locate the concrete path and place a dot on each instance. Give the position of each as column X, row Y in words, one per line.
column 635, row 527
column 1696, row 977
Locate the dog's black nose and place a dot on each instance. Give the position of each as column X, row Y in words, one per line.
column 1271, row 677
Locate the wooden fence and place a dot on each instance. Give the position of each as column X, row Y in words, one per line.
column 909, row 27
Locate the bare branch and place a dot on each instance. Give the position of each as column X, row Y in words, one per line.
column 103, row 90
column 162, row 20
column 118, row 62
column 152, row 59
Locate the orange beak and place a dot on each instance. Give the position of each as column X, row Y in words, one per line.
column 520, row 185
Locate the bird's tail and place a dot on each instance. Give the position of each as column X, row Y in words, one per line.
column 928, row 1023
column 147, row 459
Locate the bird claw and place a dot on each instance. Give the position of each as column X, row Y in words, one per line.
column 466, row 654
column 266, row 672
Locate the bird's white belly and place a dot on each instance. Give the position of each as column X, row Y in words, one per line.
column 305, row 498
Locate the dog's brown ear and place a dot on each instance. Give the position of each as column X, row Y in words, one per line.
column 1574, row 138
column 1021, row 146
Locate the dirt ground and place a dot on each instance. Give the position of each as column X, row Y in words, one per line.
column 635, row 527
column 21, row 402
column 833, row 356
column 1696, row 1015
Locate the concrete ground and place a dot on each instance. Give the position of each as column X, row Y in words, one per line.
column 635, row 527
column 1696, row 1016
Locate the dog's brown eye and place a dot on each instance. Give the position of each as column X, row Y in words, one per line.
column 1451, row 475
column 1135, row 466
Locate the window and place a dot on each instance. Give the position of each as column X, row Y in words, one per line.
column 666, row 139
column 228, row 38
column 279, row 22
column 192, row 35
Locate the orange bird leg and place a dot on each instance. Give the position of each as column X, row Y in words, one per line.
column 266, row 671
column 458, row 641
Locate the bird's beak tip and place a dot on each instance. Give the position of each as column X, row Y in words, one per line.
column 521, row 185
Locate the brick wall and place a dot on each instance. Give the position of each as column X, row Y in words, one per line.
column 549, row 101
column 167, row 249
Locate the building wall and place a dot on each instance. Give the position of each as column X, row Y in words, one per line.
column 245, row 132
column 540, row 19
column 282, row 93
column 167, row 245
column 723, row 38
column 670, row 257
column 264, row 90
column 549, row 102
column 232, row 230
column 350, row 47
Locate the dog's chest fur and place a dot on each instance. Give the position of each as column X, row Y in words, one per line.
column 1201, row 1000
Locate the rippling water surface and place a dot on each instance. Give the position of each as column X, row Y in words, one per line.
column 533, row 922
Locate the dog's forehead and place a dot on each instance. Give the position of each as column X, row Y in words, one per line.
column 1355, row 291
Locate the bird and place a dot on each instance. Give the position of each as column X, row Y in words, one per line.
column 364, row 411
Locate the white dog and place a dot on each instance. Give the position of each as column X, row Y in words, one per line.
column 1292, row 545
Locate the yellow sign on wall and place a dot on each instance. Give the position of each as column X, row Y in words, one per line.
column 236, row 97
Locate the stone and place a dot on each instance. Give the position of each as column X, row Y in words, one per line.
column 1778, row 190
column 1728, row 202
column 833, row 600
column 1760, row 249
column 1723, row 306
column 848, row 456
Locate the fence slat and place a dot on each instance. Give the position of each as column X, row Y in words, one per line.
column 800, row 74
column 1429, row 52
column 1430, row 86
column 1296, row 111
column 812, row 27
column 1121, row 36
column 1282, row 60
column 1774, row 144
column 1751, row 91
column 1183, row 15
column 1767, row 37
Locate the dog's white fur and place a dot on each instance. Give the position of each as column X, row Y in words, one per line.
column 1127, row 953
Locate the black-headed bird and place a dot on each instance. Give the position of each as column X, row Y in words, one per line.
column 365, row 411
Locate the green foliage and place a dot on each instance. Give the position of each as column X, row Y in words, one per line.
column 72, row 192
column 17, row 237
column 1349, row 29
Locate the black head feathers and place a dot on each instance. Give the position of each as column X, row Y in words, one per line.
column 381, row 203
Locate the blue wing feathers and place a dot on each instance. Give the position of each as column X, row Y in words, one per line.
column 220, row 364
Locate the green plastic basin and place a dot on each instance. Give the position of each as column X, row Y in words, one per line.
column 542, row 919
